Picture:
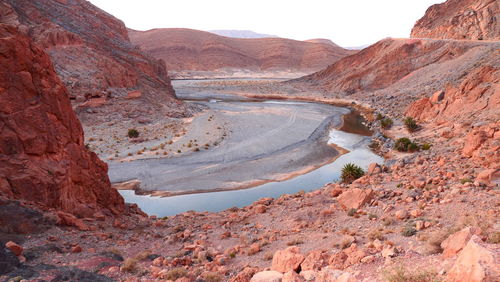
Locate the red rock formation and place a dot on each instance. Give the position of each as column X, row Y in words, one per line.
column 42, row 155
column 478, row 93
column 460, row 19
column 383, row 64
column 186, row 49
column 92, row 54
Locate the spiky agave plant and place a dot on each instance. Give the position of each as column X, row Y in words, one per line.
column 351, row 172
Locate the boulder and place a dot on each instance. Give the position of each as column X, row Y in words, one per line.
column 488, row 176
column 355, row 198
column 329, row 274
column 455, row 242
column 313, row 261
column 476, row 262
column 267, row 276
column 374, row 168
column 473, row 141
column 288, row 259
column 14, row 248
column 292, row 276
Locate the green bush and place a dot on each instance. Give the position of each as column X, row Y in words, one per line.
column 133, row 133
column 386, row 123
column 410, row 124
column 406, row 145
column 351, row 172
column 379, row 116
column 426, row 146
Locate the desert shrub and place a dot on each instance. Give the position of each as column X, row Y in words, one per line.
column 406, row 145
column 295, row 242
column 400, row 274
column 386, row 123
column 133, row 133
column 465, row 180
column 351, row 172
column 408, row 230
column 176, row 273
column 212, row 277
column 410, row 124
column 129, row 265
column 379, row 116
column 352, row 212
column 426, row 146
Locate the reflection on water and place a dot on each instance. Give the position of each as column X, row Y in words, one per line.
column 217, row 201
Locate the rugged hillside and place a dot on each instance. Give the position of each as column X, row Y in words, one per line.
column 186, row 49
column 240, row 33
column 460, row 19
column 42, row 154
column 394, row 72
column 92, row 54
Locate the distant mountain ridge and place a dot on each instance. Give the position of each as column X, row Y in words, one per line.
column 234, row 33
column 194, row 50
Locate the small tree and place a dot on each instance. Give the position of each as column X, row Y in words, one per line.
column 410, row 124
column 133, row 133
column 351, row 172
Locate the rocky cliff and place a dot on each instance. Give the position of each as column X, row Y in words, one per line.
column 91, row 53
column 395, row 72
column 186, row 49
column 42, row 155
column 460, row 19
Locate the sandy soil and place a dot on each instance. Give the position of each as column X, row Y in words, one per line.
column 264, row 142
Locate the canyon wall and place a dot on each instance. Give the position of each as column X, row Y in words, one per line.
column 42, row 155
column 94, row 58
column 460, row 19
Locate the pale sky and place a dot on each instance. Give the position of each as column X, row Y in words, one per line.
column 345, row 22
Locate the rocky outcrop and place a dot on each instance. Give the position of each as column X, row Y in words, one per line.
column 94, row 58
column 460, row 19
column 393, row 73
column 478, row 92
column 42, row 155
column 187, row 49
column 476, row 262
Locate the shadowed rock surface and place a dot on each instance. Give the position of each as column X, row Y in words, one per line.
column 42, row 154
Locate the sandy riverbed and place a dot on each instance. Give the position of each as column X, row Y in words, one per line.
column 264, row 142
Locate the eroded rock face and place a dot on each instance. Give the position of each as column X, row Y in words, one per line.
column 460, row 19
column 42, row 154
column 94, row 58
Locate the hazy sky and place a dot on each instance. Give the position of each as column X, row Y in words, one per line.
column 346, row 22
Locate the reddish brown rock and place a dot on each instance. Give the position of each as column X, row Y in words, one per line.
column 455, row 242
column 314, row 261
column 460, row 19
column 14, row 248
column 187, row 49
column 286, row 260
column 476, row 262
column 292, row 276
column 355, row 198
column 267, row 276
column 42, row 154
column 92, row 54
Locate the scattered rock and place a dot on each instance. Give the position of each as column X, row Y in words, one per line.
column 288, row 259
column 355, row 198
column 455, row 242
column 267, row 276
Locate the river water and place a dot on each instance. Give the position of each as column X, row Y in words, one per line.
column 359, row 153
